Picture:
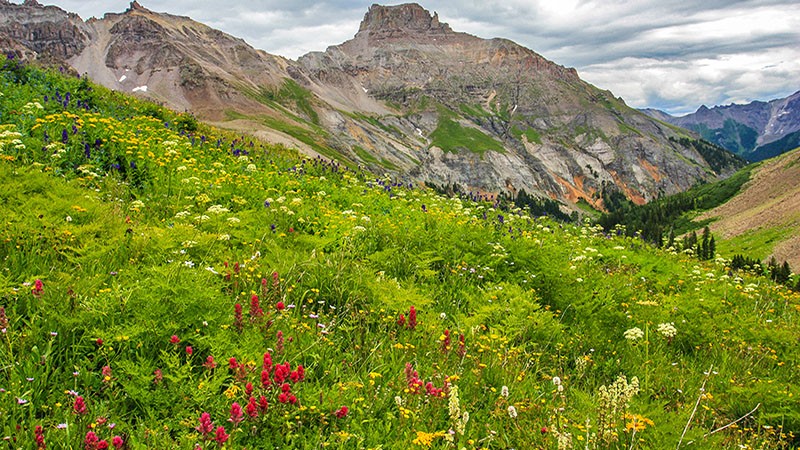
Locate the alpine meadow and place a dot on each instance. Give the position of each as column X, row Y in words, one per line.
column 166, row 284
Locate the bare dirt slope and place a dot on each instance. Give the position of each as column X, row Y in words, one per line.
column 771, row 199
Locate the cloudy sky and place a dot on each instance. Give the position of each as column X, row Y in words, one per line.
column 669, row 54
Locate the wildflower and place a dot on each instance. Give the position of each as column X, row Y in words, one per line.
column 412, row 318
column 341, row 412
column 255, row 307
column 280, row 306
column 91, row 441
column 39, row 435
column 237, row 317
column 117, row 442
column 106, row 371
column 221, row 436
column 265, row 380
column 462, row 347
column 174, row 340
column 262, row 403
column 445, row 340
column 298, row 374
column 252, row 408
column 279, row 344
column 210, row 364
column 401, row 320
column 206, row 427
column 157, row 376
column 236, row 414
column 98, row 342
column 504, row 391
column 667, row 330
column 79, row 407
column 512, row 412
column 189, row 350
column 633, row 334
column 3, row 320
column 248, row 389
column 38, row 288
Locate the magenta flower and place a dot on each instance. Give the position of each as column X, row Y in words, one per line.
column 206, row 427
column 79, row 407
column 252, row 408
column 236, row 414
column 221, row 436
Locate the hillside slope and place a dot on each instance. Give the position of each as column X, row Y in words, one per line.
column 407, row 96
column 763, row 220
column 170, row 285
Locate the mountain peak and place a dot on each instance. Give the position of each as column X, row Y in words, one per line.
column 136, row 6
column 407, row 17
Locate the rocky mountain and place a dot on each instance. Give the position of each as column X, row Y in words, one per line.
column 406, row 96
column 755, row 131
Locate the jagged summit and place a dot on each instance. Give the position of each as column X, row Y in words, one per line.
column 406, row 17
column 136, row 6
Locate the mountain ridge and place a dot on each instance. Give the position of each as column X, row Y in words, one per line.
column 407, row 95
column 750, row 130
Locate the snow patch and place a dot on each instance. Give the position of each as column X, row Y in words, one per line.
column 139, row 89
column 123, row 78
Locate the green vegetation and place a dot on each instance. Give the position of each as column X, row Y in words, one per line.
column 655, row 220
column 289, row 94
column 169, row 289
column 718, row 158
column 368, row 158
column 758, row 243
column 530, row 134
column 736, row 137
column 785, row 144
column 624, row 128
column 473, row 110
column 451, row 136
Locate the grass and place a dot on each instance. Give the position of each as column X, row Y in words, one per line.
column 530, row 134
column 452, row 137
column 289, row 94
column 758, row 243
column 160, row 282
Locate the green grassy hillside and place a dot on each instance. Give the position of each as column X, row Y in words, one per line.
column 168, row 285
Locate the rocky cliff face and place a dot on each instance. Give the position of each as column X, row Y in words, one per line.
column 751, row 130
column 407, row 95
column 47, row 31
column 552, row 133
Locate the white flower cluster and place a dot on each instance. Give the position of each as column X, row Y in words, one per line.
column 136, row 205
column 217, row 209
column 667, row 330
column 633, row 334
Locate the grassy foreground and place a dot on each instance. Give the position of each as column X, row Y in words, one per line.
column 167, row 285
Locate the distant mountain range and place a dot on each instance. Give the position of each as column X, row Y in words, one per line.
column 406, row 96
column 754, row 131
